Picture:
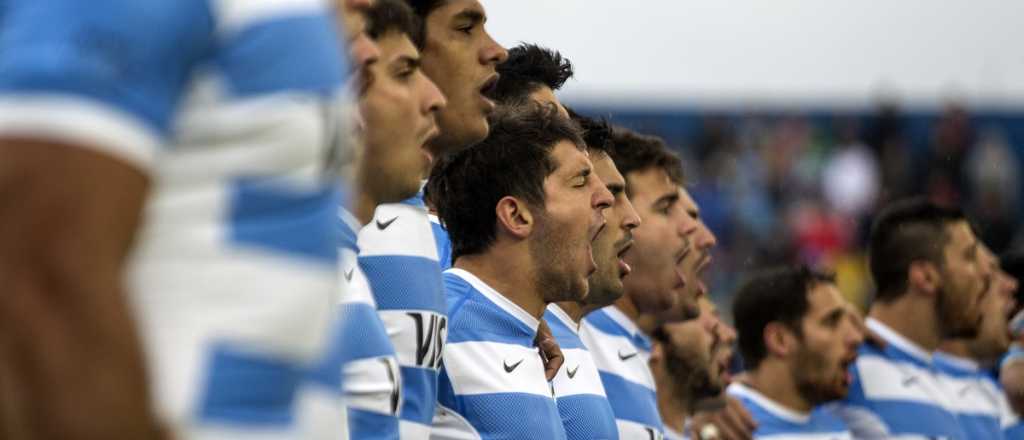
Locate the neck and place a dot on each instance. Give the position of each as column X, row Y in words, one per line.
column 956, row 347
column 774, row 379
column 673, row 410
column 626, row 306
column 512, row 277
column 575, row 310
column 363, row 206
column 913, row 317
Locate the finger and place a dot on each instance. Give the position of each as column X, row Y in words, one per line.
column 733, row 423
column 741, row 412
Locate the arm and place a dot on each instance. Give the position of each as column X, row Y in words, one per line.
column 68, row 216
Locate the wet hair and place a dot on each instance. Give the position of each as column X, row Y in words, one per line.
column 514, row 160
column 905, row 232
column 387, row 16
column 634, row 152
column 528, row 68
column 772, row 295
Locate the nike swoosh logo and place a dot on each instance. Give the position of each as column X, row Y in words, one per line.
column 572, row 373
column 511, row 368
column 626, row 357
column 348, row 275
column 384, row 225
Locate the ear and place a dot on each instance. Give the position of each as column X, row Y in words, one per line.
column 778, row 339
column 923, row 276
column 514, row 217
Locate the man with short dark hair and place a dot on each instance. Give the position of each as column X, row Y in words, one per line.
column 797, row 341
column 620, row 348
column 522, row 209
column 531, row 73
column 460, row 57
column 931, row 281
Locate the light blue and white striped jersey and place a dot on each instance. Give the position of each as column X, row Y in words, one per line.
column 492, row 383
column 777, row 422
column 231, row 107
column 622, row 353
column 898, row 392
column 980, row 402
column 586, row 412
column 444, row 243
column 361, row 360
column 398, row 255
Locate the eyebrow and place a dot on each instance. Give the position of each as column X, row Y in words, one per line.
column 834, row 315
column 472, row 15
column 616, row 188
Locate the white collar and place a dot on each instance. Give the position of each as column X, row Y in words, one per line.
column 497, row 298
column 620, row 318
column 349, row 219
column 564, row 317
column 958, row 361
column 768, row 404
column 897, row 340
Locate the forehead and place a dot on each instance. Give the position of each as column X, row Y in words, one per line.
column 451, row 9
column 567, row 157
column 545, row 95
column 960, row 233
column 823, row 298
column 394, row 45
column 605, row 168
column 649, row 182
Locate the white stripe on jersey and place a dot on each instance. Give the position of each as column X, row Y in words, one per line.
column 235, row 15
column 883, row 379
column 631, row 430
column 81, row 122
column 416, row 239
column 585, row 380
column 608, row 352
column 484, row 367
column 407, row 349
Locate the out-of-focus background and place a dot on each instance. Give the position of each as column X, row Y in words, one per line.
column 798, row 119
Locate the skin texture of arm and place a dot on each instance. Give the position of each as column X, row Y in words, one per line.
column 70, row 357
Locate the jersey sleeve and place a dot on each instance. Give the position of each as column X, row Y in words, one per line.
column 105, row 74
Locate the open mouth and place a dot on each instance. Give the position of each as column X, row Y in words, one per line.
column 490, row 86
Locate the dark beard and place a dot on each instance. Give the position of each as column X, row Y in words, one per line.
column 949, row 325
column 548, row 254
column 693, row 381
column 814, row 390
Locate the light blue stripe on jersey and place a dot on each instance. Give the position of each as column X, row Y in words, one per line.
column 977, row 397
column 773, row 420
column 897, row 391
column 134, row 55
column 494, row 378
column 582, row 404
column 292, row 53
column 1014, row 432
column 633, row 398
column 248, row 389
column 399, row 261
column 264, row 215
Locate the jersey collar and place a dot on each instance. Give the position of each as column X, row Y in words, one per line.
column 899, row 342
column 497, row 298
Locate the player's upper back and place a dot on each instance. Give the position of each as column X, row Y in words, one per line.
column 897, row 391
column 777, row 422
column 622, row 354
column 492, row 378
column 586, row 412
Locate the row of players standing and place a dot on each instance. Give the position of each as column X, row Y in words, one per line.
column 206, row 135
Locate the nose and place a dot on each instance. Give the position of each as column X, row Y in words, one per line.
column 854, row 336
column 492, row 53
column 706, row 239
column 631, row 220
column 602, row 197
column 433, row 100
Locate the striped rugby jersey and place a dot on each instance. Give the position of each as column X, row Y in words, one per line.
column 777, row 422
column 586, row 412
column 898, row 392
column 492, row 383
column 398, row 255
column 231, row 107
column 980, row 402
column 622, row 353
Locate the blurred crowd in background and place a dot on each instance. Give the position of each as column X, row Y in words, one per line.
column 802, row 185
